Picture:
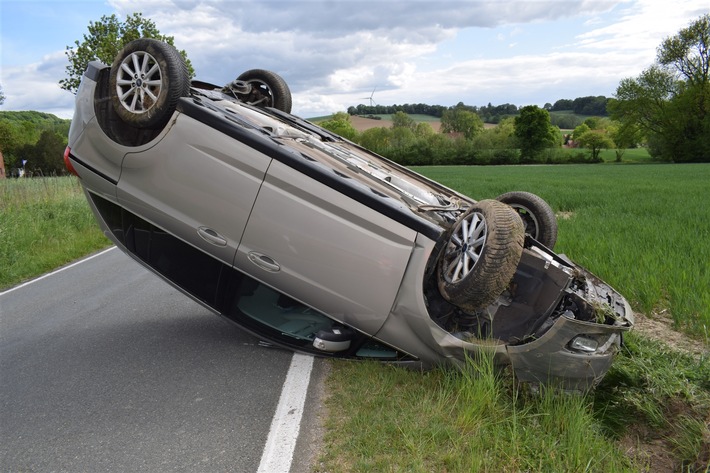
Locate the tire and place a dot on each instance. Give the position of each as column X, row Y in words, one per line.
column 147, row 79
column 268, row 90
column 481, row 255
column 538, row 217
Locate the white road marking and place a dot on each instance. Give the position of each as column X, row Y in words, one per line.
column 27, row 283
column 281, row 442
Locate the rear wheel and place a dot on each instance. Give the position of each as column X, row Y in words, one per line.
column 147, row 79
column 481, row 255
column 538, row 217
column 268, row 89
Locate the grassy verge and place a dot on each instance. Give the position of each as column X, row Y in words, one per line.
column 649, row 415
column 44, row 223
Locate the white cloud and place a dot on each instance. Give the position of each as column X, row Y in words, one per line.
column 333, row 53
column 35, row 87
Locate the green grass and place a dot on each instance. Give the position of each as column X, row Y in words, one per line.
column 630, row 156
column 384, row 418
column 645, row 229
column 44, row 223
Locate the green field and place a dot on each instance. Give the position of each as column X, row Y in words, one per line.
column 645, row 229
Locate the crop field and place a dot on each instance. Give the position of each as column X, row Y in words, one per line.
column 645, row 228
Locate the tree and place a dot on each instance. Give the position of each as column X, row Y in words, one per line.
column 624, row 135
column 401, row 120
column 103, row 42
column 595, row 141
column 339, row 123
column 533, row 132
column 2, row 96
column 579, row 131
column 562, row 104
column 460, row 120
column 45, row 157
column 377, row 140
column 669, row 101
column 423, row 130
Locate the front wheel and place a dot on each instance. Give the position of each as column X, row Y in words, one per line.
column 481, row 255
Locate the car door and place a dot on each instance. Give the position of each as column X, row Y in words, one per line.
column 197, row 183
column 325, row 249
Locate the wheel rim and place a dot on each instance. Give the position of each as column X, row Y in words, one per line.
column 139, row 82
column 465, row 247
column 529, row 221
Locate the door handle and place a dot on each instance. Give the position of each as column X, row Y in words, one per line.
column 264, row 262
column 211, row 236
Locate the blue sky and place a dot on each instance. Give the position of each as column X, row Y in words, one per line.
column 334, row 53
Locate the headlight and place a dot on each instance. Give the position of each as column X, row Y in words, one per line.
column 585, row 344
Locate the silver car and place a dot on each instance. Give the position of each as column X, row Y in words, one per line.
column 315, row 244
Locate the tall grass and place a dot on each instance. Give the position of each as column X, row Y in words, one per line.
column 473, row 420
column 643, row 228
column 44, row 223
column 477, row 419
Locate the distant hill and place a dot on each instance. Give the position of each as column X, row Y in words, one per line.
column 33, row 117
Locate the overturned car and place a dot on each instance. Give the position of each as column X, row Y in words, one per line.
column 315, row 244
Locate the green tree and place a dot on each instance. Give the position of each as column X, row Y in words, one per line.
column 669, row 101
column 534, row 133
column 2, row 96
column 376, row 139
column 624, row 135
column 339, row 123
column 402, row 120
column 460, row 120
column 579, row 131
column 103, row 42
column 595, row 141
column 8, row 143
column 423, row 130
column 45, row 157
column 15, row 136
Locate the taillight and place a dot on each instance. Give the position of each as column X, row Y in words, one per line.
column 67, row 163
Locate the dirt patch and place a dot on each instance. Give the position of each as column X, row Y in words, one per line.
column 659, row 328
column 362, row 123
column 564, row 215
column 655, row 450
column 654, row 454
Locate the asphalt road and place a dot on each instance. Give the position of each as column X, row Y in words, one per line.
column 105, row 367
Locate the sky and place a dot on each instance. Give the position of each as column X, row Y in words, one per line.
column 338, row 53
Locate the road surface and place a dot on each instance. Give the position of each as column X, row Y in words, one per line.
column 105, row 367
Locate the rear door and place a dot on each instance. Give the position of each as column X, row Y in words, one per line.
column 325, row 249
column 197, row 183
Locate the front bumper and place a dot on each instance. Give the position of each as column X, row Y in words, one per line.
column 552, row 359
